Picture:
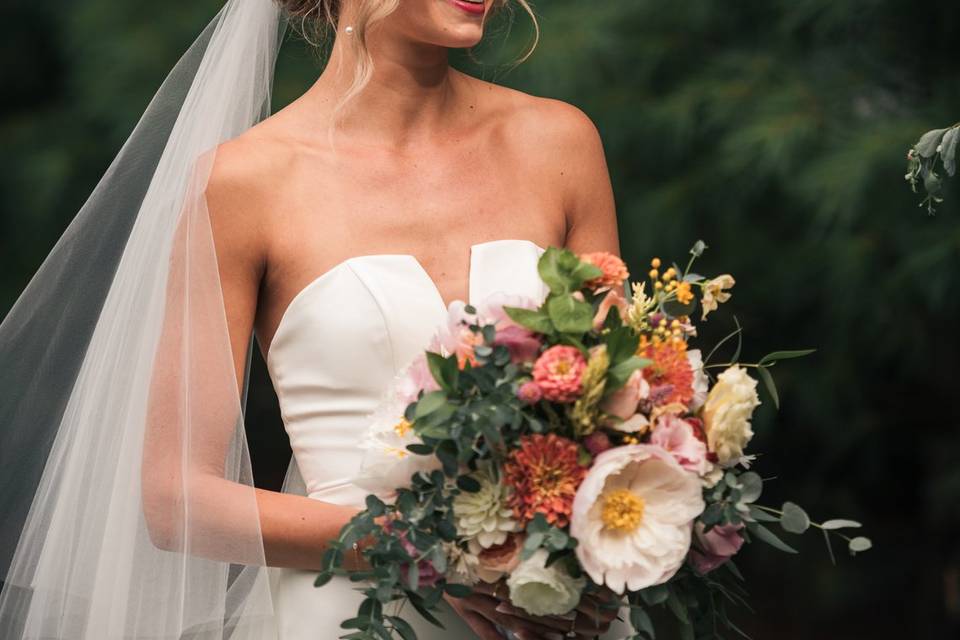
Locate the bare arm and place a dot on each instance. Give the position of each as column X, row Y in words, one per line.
column 588, row 195
column 189, row 503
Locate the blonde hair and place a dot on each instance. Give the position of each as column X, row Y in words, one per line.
column 316, row 19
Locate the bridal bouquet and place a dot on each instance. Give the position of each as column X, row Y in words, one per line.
column 565, row 447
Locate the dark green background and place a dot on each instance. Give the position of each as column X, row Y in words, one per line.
column 775, row 130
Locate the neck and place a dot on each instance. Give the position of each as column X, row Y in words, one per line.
column 410, row 95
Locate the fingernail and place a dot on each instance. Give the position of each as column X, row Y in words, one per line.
column 502, row 608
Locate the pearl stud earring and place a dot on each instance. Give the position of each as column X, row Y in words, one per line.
column 348, row 30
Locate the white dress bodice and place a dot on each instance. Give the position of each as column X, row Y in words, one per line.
column 339, row 344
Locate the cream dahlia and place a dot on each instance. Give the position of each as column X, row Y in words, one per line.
column 633, row 516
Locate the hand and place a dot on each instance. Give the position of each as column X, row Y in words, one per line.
column 481, row 611
column 591, row 618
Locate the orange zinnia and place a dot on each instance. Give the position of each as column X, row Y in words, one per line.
column 544, row 473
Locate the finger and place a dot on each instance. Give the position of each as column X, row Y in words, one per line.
column 481, row 625
column 603, row 611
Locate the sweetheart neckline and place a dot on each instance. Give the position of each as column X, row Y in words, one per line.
column 408, row 256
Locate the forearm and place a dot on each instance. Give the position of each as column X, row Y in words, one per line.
column 296, row 529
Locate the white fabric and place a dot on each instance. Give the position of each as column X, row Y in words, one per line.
column 339, row 343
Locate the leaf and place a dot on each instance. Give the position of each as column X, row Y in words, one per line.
column 430, row 403
column 751, row 486
column 468, row 484
column 420, row 449
column 419, row 605
column 769, row 384
column 444, row 370
column 760, row 515
column 402, row 627
column 641, row 622
column 839, row 523
column 859, row 544
column 770, row 538
column 677, row 607
column 655, row 595
column 323, row 578
column 927, row 145
column 785, row 355
column 948, row 150
column 794, row 518
column 618, row 375
column 570, row 315
column 457, row 590
column 621, row 345
column 375, row 506
column 533, row 319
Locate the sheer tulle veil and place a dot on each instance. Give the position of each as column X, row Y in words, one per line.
column 126, row 495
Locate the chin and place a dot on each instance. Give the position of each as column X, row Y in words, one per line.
column 456, row 24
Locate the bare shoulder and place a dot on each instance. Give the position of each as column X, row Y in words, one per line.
column 550, row 124
column 563, row 147
column 242, row 189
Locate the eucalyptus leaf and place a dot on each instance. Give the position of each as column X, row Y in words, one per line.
column 751, row 486
column 770, row 538
column 948, row 150
column 927, row 145
column 785, row 355
column 859, row 544
column 839, row 523
column 794, row 518
column 770, row 385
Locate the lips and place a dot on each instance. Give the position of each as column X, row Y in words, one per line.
column 473, row 7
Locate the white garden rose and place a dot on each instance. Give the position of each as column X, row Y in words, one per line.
column 483, row 516
column 387, row 463
column 727, row 413
column 633, row 517
column 544, row 591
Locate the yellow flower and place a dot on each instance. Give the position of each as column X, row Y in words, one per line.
column 684, row 293
column 714, row 292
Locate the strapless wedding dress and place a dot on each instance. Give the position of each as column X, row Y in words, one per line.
column 339, row 344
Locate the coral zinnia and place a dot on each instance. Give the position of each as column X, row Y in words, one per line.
column 670, row 374
column 558, row 372
column 613, row 268
column 544, row 473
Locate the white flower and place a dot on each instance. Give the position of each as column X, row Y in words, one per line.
column 483, row 515
column 387, row 463
column 544, row 591
column 714, row 292
column 727, row 414
column 633, row 516
column 700, row 383
column 462, row 565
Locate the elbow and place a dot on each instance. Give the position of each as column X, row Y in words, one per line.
column 163, row 512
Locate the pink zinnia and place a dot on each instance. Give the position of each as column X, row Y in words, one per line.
column 558, row 372
column 530, row 392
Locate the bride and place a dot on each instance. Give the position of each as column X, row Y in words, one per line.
column 335, row 231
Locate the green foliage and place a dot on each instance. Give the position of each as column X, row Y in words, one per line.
column 937, row 146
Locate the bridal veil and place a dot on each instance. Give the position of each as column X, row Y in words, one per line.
column 125, row 484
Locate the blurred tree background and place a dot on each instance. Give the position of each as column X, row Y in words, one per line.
column 775, row 130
